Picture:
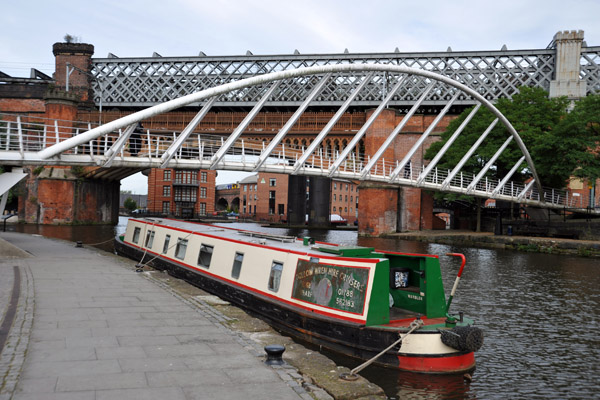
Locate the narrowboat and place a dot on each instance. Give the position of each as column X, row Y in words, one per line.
column 357, row 301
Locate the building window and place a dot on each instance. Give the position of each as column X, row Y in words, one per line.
column 181, row 248
column 245, row 187
column 334, row 185
column 254, row 197
column 351, row 199
column 167, row 175
column 255, row 187
column 136, row 234
column 244, row 200
column 346, row 187
column 203, row 177
column 275, row 276
column 352, row 188
column 333, row 208
column 237, row 265
column 272, row 182
column 346, row 198
column 205, row 255
column 186, row 194
column 202, row 209
column 334, row 197
column 280, row 209
column 166, row 244
column 149, row 239
column 166, row 191
column 202, row 192
column 271, row 202
column 345, row 209
column 166, row 207
column 186, row 177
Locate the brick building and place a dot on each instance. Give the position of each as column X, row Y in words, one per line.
column 344, row 199
column 264, row 197
column 181, row 193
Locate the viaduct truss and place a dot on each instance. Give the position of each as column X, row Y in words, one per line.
column 144, row 82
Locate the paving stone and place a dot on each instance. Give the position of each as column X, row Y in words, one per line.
column 271, row 391
column 180, row 350
column 142, row 394
column 153, row 364
column 94, row 342
column 188, row 378
column 252, row 375
column 37, row 385
column 68, row 354
column 118, row 353
column 69, row 368
column 146, row 340
column 87, row 395
column 101, row 381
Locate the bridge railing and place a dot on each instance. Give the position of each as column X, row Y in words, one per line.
column 32, row 134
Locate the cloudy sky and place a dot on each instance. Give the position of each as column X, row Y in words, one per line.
column 136, row 28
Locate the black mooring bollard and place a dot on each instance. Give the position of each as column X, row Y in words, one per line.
column 274, row 354
column 79, row 244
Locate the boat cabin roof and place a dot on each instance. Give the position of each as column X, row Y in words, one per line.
column 282, row 242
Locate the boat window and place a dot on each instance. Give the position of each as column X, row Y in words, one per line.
column 237, row 265
column 181, row 248
column 166, row 245
column 136, row 234
column 275, row 276
column 205, row 255
column 149, row 239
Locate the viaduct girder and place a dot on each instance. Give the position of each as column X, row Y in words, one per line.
column 144, row 82
column 105, row 145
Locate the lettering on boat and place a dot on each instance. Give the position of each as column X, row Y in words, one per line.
column 414, row 297
column 334, row 286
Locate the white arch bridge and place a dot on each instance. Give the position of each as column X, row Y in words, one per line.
column 109, row 147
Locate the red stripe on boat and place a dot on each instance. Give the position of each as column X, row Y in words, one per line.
column 454, row 362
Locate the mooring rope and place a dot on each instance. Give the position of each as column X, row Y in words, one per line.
column 416, row 324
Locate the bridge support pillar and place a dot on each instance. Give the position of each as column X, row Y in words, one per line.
column 296, row 200
column 568, row 55
column 319, row 188
column 378, row 209
column 59, row 196
column 388, row 208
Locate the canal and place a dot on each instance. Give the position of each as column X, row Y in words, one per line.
column 540, row 314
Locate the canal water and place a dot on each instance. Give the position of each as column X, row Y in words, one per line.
column 540, row 314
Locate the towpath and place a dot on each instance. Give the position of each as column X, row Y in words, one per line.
column 86, row 326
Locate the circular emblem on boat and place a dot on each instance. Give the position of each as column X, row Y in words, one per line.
column 323, row 292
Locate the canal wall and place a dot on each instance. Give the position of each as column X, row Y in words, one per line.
column 583, row 248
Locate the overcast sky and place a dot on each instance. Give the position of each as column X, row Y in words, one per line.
column 136, row 28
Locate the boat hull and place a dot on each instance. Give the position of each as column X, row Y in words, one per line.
column 347, row 338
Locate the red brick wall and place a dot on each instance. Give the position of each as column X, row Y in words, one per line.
column 22, row 105
column 377, row 211
column 80, row 56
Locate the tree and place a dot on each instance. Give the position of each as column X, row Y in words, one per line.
column 130, row 204
column 534, row 117
column 576, row 142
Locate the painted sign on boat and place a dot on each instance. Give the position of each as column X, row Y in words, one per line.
column 333, row 286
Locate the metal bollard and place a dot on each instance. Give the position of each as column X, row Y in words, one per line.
column 274, row 354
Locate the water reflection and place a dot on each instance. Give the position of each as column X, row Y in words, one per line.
column 540, row 314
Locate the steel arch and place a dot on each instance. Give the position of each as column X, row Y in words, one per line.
column 206, row 94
